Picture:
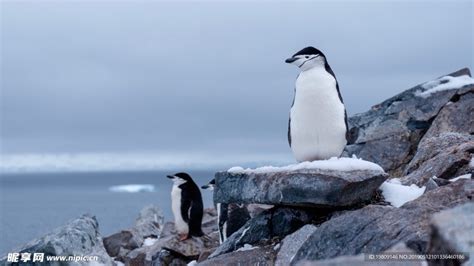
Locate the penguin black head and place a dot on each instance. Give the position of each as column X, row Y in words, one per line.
column 210, row 185
column 180, row 178
column 307, row 58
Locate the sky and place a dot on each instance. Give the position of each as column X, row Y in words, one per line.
column 197, row 83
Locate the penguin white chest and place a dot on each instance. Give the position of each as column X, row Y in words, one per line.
column 318, row 129
column 181, row 226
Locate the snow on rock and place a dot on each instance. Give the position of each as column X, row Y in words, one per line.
column 444, row 83
column 246, row 247
column 149, row 241
column 133, row 188
column 337, row 164
column 397, row 194
column 467, row 176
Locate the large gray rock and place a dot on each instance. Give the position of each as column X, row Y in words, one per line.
column 148, row 225
column 456, row 116
column 261, row 256
column 276, row 222
column 453, row 233
column 444, row 156
column 291, row 243
column 363, row 260
column 307, row 187
column 376, row 228
column 168, row 249
column 78, row 237
column 389, row 133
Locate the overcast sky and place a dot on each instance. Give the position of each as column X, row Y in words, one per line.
column 204, row 76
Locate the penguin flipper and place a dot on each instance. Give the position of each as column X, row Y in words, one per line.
column 289, row 131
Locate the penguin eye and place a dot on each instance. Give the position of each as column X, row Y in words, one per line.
column 307, row 56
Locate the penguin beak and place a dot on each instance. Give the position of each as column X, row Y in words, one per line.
column 170, row 176
column 205, row 187
column 291, row 60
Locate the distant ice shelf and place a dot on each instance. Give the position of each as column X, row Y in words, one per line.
column 133, row 188
column 336, row 164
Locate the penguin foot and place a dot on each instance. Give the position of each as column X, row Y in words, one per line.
column 183, row 237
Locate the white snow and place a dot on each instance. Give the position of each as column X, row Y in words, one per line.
column 444, row 83
column 338, row 164
column 192, row 263
column 133, row 188
column 467, row 176
column 246, row 247
column 149, row 241
column 119, row 263
column 397, row 194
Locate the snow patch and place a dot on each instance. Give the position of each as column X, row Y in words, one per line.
column 444, row 83
column 133, row 188
column 397, row 194
column 246, row 247
column 467, row 176
column 337, row 164
column 149, row 241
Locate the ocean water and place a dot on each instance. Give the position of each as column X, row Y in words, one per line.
column 31, row 205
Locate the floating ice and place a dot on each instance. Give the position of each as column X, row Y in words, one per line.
column 397, row 194
column 133, row 188
column 337, row 164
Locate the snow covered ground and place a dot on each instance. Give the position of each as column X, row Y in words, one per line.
column 397, row 194
column 337, row 164
column 444, row 83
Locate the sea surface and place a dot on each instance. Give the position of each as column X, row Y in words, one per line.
column 31, row 205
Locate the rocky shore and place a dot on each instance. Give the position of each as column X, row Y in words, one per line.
column 411, row 194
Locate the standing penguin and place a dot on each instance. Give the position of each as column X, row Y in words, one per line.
column 187, row 207
column 317, row 127
column 230, row 217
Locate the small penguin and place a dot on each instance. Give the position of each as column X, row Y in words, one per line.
column 187, row 206
column 230, row 217
column 317, row 128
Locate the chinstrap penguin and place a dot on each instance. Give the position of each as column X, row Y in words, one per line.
column 187, row 206
column 317, row 127
column 230, row 217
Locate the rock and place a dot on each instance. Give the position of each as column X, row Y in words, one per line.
column 118, row 244
column 399, row 123
column 78, row 237
column 276, row 222
column 148, row 225
column 362, row 260
column 261, row 256
column 291, row 243
column 149, row 222
column 456, row 116
column 308, row 187
column 453, row 233
column 168, row 248
column 375, row 228
column 444, row 156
